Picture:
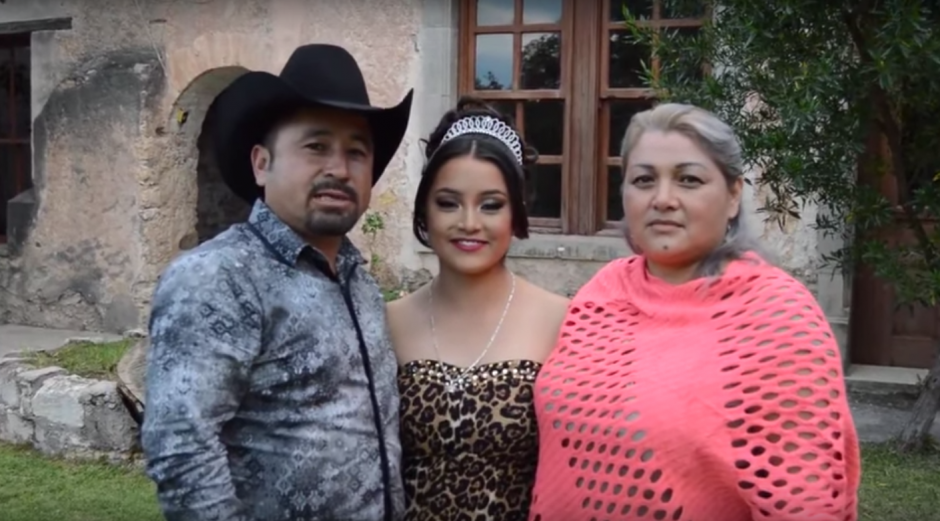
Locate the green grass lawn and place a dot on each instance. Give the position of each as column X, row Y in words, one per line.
column 35, row 488
column 899, row 488
column 88, row 359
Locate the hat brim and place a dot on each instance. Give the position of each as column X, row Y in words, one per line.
column 245, row 111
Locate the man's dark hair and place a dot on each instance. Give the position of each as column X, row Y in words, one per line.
column 274, row 126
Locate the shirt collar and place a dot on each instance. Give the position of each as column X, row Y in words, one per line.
column 290, row 245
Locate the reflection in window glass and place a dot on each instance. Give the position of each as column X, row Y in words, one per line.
column 506, row 108
column 614, row 200
column 545, row 126
column 621, row 111
column 495, row 12
column 625, row 68
column 691, row 66
column 543, row 191
column 493, row 62
column 638, row 8
column 682, row 9
column 541, row 61
column 541, row 11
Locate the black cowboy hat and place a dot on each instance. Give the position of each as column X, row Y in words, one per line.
column 315, row 75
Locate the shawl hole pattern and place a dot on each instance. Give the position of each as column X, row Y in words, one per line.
column 750, row 361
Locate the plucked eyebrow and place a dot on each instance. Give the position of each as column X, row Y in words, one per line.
column 680, row 166
column 314, row 132
column 451, row 191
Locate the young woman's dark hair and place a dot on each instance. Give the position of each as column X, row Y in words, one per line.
column 479, row 146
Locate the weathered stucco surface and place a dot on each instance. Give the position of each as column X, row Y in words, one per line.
column 118, row 102
column 122, row 187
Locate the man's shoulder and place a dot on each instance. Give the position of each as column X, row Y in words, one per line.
column 225, row 255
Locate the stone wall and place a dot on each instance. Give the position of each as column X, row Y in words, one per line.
column 63, row 415
column 122, row 185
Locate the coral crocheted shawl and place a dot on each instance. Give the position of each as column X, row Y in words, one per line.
column 714, row 400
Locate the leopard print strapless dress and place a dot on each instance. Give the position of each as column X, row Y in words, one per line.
column 468, row 454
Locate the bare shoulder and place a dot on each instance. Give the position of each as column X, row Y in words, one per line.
column 403, row 315
column 550, row 307
column 401, row 312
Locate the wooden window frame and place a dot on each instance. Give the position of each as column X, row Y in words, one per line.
column 9, row 43
column 608, row 95
column 467, row 74
column 585, row 28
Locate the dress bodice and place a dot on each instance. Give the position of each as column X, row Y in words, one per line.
column 470, row 452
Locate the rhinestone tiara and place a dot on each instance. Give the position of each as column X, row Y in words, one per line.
column 491, row 127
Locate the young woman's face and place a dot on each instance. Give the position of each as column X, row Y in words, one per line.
column 469, row 218
column 677, row 203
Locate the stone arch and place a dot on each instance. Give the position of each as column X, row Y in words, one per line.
column 183, row 201
column 216, row 206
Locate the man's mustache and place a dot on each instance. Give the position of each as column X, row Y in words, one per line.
column 333, row 185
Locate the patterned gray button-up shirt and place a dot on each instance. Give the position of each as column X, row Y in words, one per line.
column 258, row 404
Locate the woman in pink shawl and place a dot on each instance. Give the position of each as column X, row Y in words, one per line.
column 694, row 380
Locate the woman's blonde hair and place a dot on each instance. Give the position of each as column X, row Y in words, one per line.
column 717, row 139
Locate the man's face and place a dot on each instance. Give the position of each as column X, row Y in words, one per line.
column 317, row 171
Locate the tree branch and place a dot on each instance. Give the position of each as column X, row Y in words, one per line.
column 892, row 131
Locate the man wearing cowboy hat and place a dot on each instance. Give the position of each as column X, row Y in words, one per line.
column 271, row 382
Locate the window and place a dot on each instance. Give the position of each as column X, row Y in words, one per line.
column 572, row 83
column 15, row 122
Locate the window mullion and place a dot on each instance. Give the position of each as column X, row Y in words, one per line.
column 585, row 24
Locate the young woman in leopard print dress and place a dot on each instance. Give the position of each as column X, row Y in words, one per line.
column 470, row 342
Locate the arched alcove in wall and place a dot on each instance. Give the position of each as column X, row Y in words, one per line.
column 182, row 200
column 217, row 207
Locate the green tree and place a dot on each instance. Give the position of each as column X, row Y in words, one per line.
column 810, row 86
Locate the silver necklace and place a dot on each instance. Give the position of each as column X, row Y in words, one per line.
column 458, row 382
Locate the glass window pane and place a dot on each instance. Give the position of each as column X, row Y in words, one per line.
column 21, row 85
column 506, row 108
column 541, row 11
column 545, row 126
column 627, row 59
column 496, row 12
column 620, row 113
column 614, row 200
column 638, row 8
column 682, row 9
column 541, row 61
column 543, row 191
column 691, row 66
column 494, row 62
column 6, row 69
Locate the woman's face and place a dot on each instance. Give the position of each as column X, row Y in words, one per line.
column 469, row 219
column 676, row 201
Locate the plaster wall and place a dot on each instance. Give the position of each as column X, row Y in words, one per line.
column 118, row 102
